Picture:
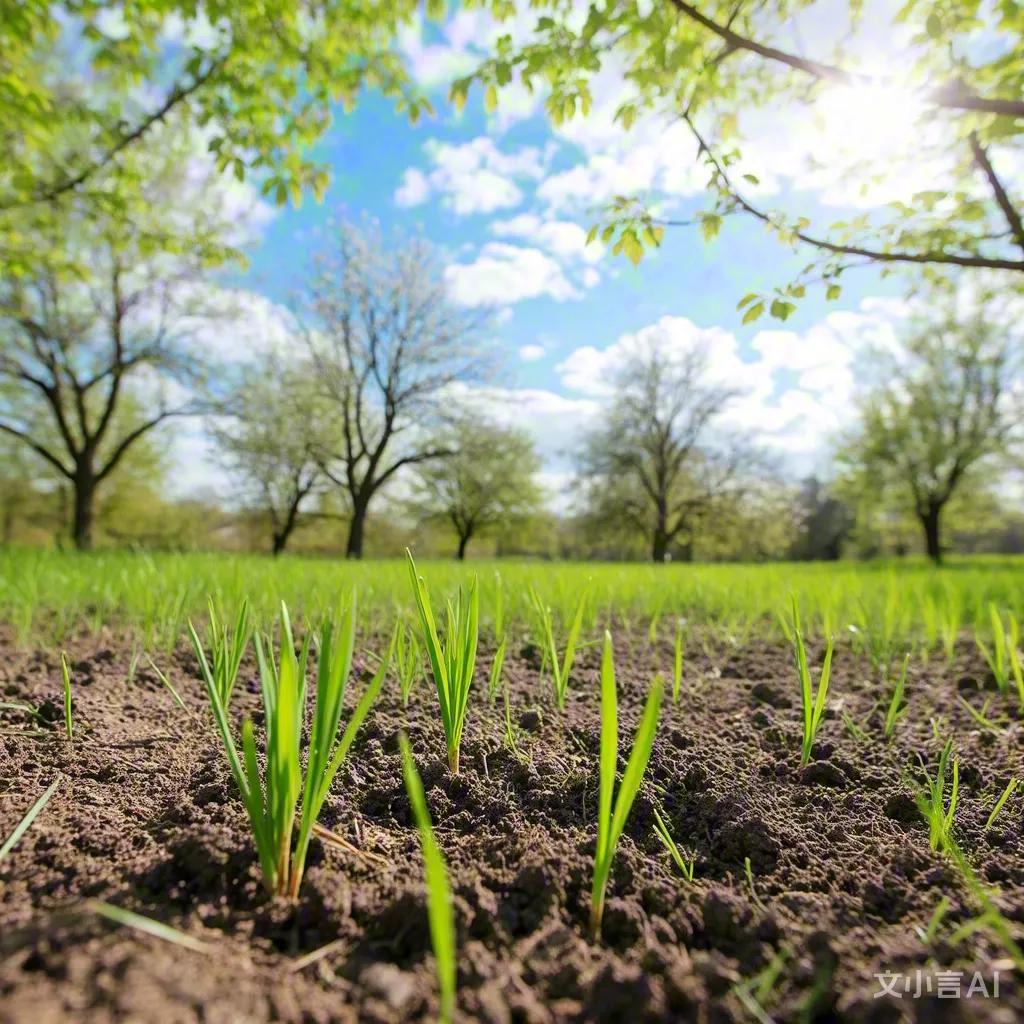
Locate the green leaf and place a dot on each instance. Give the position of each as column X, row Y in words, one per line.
column 753, row 313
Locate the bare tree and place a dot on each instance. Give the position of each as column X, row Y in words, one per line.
column 488, row 481
column 271, row 433
column 944, row 404
column 387, row 343
column 658, row 461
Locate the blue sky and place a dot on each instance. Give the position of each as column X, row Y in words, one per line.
column 507, row 199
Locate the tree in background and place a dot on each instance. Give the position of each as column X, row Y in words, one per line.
column 710, row 64
column 488, row 481
column 943, row 407
column 823, row 522
column 387, row 343
column 101, row 309
column 659, row 462
column 260, row 78
column 272, row 434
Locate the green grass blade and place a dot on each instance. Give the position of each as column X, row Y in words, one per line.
column 157, row 929
column 1000, row 803
column 30, row 815
column 439, row 896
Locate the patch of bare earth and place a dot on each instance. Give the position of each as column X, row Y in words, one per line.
column 145, row 817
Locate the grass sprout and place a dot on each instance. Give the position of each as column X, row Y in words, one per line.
column 170, row 686
column 897, row 705
column 452, row 661
column 408, row 660
column 65, row 678
column 613, row 807
column 1001, row 802
column 159, row 930
column 560, row 669
column 440, row 911
column 1003, row 657
column 677, row 663
column 685, row 865
column 30, row 815
column 931, row 800
column 274, row 801
column 497, row 665
column 813, row 701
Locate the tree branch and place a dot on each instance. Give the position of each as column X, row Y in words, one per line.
column 37, row 448
column 1005, row 204
column 950, row 96
column 881, row 255
column 179, row 94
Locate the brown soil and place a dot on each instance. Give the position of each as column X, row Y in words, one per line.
column 146, row 818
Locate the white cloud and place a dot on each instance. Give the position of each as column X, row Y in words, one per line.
column 796, row 389
column 503, row 274
column 472, row 177
column 531, row 353
column 561, row 237
column 414, row 188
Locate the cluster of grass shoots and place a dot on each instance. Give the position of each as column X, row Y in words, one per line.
column 453, row 659
column 560, row 668
column 931, row 800
column 811, row 699
column 613, row 806
column 286, row 791
column 1003, row 657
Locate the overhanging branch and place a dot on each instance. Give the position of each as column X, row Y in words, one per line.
column 951, row 96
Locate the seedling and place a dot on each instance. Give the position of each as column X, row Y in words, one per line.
column 30, row 815
column 146, row 925
column 1003, row 657
column 932, row 804
column 897, row 706
column 167, row 683
column 453, row 661
column 560, row 670
column 494, row 680
column 677, row 663
column 685, row 865
column 1001, row 802
column 408, row 660
column 274, row 801
column 440, row 910
column 928, row 934
column 613, row 807
column 65, row 675
column 813, row 701
column 748, row 871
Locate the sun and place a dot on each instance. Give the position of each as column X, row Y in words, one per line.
column 867, row 122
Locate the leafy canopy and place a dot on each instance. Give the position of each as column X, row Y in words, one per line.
column 711, row 64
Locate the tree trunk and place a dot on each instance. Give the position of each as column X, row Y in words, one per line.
column 278, row 542
column 930, row 522
column 659, row 547
column 463, row 544
column 85, row 492
column 354, row 547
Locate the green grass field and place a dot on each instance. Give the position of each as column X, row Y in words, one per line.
column 46, row 596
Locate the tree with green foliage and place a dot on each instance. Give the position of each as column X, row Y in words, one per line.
column 711, row 64
column 489, row 481
column 660, row 460
column 273, row 432
column 943, row 408
column 97, row 323
column 258, row 78
column 387, row 343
